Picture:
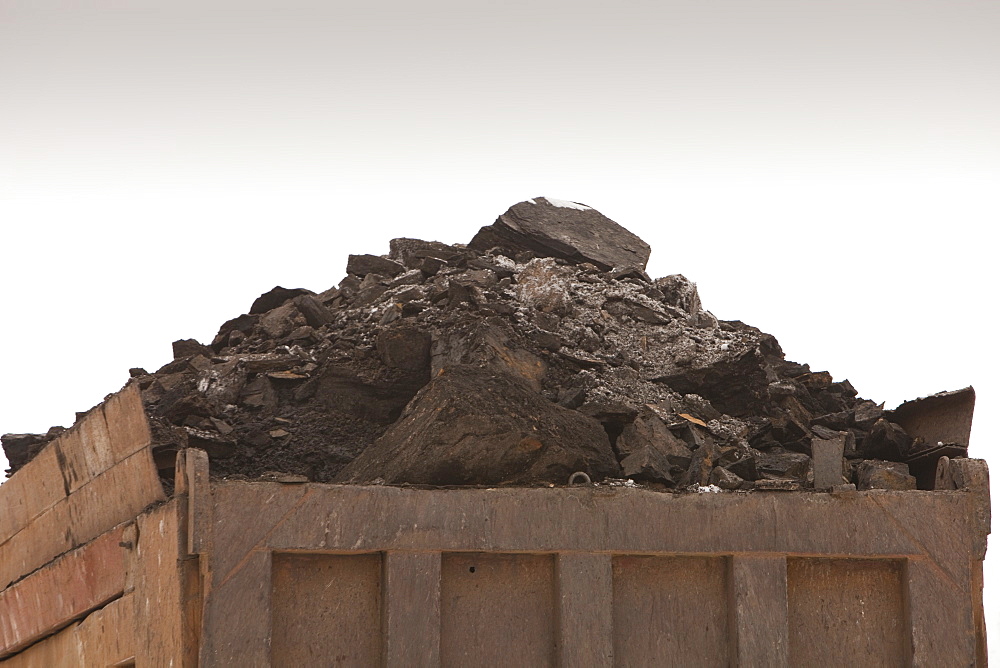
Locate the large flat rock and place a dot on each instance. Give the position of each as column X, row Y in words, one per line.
column 555, row 228
column 470, row 426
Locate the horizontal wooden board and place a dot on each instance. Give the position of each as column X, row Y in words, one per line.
column 80, row 581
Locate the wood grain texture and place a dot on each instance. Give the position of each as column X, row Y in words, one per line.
column 68, row 588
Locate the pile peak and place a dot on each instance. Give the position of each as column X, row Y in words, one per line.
column 539, row 350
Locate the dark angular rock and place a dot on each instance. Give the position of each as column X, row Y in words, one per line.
column 884, row 475
column 405, row 347
column 276, row 297
column 244, row 324
column 189, row 348
column 725, row 478
column 885, row 440
column 362, row 265
column 735, row 382
column 489, row 345
column 313, row 310
column 781, row 463
column 469, row 427
column 647, row 429
column 553, row 228
column 647, row 463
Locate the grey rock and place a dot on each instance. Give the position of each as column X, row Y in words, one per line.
column 575, row 232
column 884, row 475
column 469, row 427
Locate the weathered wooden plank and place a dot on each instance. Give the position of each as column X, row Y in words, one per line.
column 62, row 650
column 37, row 544
column 107, row 637
column 118, row 494
column 128, row 427
column 585, row 610
column 412, row 609
column 758, row 609
column 115, row 496
column 66, row 589
column 30, row 492
column 159, row 606
column 195, row 484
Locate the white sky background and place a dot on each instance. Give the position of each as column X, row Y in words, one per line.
column 825, row 171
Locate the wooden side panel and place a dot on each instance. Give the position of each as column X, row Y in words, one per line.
column 107, row 637
column 35, row 488
column 158, row 598
column 412, row 609
column 93, row 477
column 62, row 650
column 326, row 610
column 30, row 548
column 80, row 581
column 128, row 428
column 108, row 434
column 585, row 614
column 670, row 611
column 498, row 609
column 759, row 610
column 115, row 496
column 846, row 612
column 119, row 494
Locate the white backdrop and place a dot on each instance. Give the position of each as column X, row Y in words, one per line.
column 824, row 171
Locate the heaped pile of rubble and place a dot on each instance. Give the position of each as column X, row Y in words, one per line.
column 538, row 350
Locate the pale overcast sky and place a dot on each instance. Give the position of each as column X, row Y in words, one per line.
column 824, row 171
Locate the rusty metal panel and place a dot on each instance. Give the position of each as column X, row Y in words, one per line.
column 411, row 616
column 326, row 610
column 758, row 610
column 498, row 609
column 846, row 612
column 722, row 597
column 670, row 611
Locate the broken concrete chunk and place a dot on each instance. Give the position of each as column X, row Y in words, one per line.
column 680, row 293
column 567, row 230
column 884, row 475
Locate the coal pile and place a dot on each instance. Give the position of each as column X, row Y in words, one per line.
column 538, row 350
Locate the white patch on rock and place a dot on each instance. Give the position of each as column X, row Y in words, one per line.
column 566, row 205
